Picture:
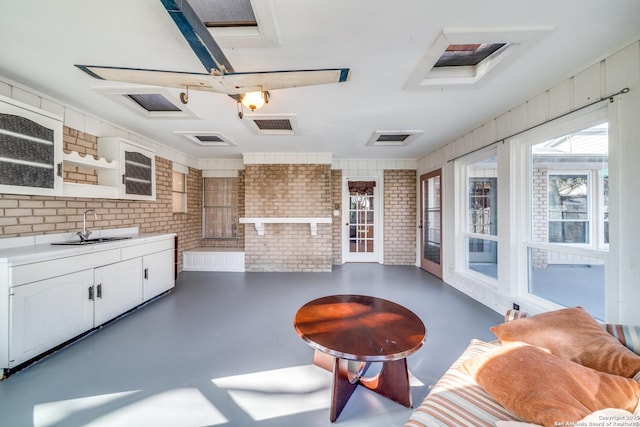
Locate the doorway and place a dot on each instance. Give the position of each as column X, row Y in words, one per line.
column 362, row 221
column 431, row 222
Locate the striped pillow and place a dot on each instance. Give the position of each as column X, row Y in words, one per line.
column 627, row 335
column 457, row 400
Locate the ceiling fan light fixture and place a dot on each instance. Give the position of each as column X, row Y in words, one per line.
column 255, row 100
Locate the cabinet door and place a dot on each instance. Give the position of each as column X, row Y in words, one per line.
column 118, row 288
column 158, row 273
column 139, row 173
column 47, row 313
column 30, row 150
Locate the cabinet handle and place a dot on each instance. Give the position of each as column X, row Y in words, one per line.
column 91, row 293
column 146, row 273
column 99, row 291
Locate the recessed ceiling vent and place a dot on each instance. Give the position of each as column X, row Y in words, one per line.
column 264, row 124
column 393, row 138
column 206, row 139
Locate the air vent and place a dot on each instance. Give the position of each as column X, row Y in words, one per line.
column 272, row 125
column 152, row 102
column 207, row 139
column 391, row 138
column 275, row 125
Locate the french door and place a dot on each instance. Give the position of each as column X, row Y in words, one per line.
column 361, row 226
column 431, row 222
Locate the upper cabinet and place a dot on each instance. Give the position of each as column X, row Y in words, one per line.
column 31, row 159
column 135, row 176
column 30, row 150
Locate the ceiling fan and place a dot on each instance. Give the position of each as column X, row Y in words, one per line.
column 221, row 77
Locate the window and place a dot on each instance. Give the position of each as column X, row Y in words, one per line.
column 569, row 192
column 220, row 208
column 179, row 194
column 568, row 208
column 481, row 224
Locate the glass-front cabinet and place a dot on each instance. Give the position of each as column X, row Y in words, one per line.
column 30, row 150
column 135, row 175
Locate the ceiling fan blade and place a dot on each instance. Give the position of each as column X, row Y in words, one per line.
column 176, row 79
column 236, row 83
column 198, row 36
column 230, row 84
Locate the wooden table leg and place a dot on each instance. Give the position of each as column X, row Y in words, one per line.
column 391, row 382
column 345, row 382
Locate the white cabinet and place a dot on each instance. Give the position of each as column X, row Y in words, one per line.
column 135, row 175
column 158, row 273
column 30, row 150
column 47, row 313
column 47, row 298
column 117, row 289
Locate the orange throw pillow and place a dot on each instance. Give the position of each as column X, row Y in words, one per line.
column 572, row 334
column 544, row 389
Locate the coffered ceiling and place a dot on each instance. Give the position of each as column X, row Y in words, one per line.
column 395, row 104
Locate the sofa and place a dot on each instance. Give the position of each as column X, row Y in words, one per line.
column 560, row 368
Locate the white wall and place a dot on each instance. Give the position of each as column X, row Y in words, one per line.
column 618, row 71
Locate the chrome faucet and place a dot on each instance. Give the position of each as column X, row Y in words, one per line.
column 84, row 234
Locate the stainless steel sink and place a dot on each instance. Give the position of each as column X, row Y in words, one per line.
column 91, row 241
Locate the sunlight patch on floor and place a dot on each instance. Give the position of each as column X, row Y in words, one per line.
column 279, row 392
column 186, row 407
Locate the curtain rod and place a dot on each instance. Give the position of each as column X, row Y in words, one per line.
column 610, row 98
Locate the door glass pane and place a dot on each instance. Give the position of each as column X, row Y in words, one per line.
column 431, row 220
column 361, row 221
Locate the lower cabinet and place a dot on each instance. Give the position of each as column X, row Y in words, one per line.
column 158, row 273
column 46, row 313
column 117, row 289
column 49, row 312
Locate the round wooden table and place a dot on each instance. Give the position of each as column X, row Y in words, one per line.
column 361, row 329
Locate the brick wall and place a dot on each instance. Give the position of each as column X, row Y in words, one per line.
column 84, row 144
column 23, row 215
column 400, row 217
column 301, row 190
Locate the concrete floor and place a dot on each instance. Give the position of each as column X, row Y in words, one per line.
column 221, row 350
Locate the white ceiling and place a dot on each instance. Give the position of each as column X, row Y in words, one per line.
column 382, row 42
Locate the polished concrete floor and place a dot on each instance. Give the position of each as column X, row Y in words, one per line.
column 220, row 350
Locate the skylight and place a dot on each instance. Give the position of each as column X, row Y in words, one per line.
column 467, row 55
column 153, row 102
column 225, row 13
column 206, row 138
column 238, row 23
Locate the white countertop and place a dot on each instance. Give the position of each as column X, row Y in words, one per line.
column 28, row 249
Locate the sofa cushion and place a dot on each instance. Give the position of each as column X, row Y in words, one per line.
column 545, row 389
column 457, row 400
column 574, row 335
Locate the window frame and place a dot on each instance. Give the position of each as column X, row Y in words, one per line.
column 521, row 173
column 464, row 234
column 182, row 194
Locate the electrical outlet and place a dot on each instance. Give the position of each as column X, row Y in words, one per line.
column 516, row 306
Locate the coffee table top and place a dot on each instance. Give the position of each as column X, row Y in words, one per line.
column 360, row 327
